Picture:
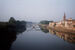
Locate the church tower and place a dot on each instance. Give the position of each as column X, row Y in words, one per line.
column 64, row 17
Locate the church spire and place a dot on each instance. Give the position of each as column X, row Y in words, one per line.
column 64, row 17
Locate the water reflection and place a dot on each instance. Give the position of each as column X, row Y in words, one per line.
column 8, row 36
column 43, row 29
column 32, row 39
column 65, row 36
column 33, row 28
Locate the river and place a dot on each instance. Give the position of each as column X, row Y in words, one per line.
column 36, row 39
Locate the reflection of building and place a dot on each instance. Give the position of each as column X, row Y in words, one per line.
column 65, row 36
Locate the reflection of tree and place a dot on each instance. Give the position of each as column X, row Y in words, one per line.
column 44, row 29
column 8, row 36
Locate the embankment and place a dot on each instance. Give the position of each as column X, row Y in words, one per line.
column 63, row 29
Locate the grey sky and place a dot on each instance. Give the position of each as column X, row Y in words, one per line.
column 36, row 10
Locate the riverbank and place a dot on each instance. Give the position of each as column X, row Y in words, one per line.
column 59, row 32
column 62, row 29
column 8, row 32
column 58, row 29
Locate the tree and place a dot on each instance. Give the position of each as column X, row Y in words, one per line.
column 45, row 22
column 12, row 20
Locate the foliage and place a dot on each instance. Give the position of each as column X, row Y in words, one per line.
column 45, row 22
column 12, row 20
column 8, row 32
column 13, row 25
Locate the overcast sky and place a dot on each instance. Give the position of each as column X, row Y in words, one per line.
column 36, row 10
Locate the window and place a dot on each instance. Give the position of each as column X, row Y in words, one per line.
column 73, row 25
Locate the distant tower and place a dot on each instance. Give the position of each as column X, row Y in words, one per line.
column 64, row 17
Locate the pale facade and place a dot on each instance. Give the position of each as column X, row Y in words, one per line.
column 51, row 24
column 68, row 23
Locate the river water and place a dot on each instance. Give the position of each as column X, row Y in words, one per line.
column 36, row 39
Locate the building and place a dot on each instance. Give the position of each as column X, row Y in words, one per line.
column 52, row 24
column 68, row 23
